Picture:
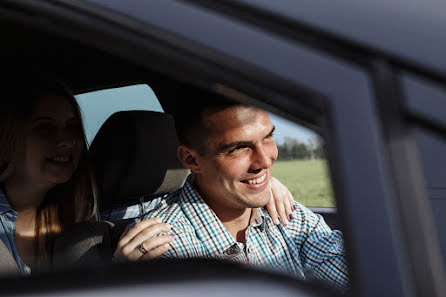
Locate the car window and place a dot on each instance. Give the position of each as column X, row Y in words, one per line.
column 97, row 106
column 301, row 165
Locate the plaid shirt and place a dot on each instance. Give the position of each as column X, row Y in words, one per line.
column 306, row 248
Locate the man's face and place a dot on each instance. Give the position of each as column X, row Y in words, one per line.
column 236, row 168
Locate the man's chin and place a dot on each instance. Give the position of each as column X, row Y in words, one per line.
column 259, row 201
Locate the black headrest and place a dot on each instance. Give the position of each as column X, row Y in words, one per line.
column 134, row 155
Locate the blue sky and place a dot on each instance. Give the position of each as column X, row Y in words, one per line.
column 97, row 106
column 285, row 127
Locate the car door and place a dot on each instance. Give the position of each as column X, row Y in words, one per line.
column 258, row 58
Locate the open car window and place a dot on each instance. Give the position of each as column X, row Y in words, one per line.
column 302, row 164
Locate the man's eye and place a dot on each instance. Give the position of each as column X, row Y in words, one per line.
column 237, row 149
column 269, row 138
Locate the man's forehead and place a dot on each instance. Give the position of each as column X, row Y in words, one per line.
column 238, row 123
column 232, row 117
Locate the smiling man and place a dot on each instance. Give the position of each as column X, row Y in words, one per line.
column 219, row 212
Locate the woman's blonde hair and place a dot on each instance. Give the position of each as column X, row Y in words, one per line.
column 66, row 203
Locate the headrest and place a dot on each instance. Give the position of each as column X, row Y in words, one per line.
column 134, row 155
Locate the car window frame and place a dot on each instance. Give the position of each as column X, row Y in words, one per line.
column 389, row 216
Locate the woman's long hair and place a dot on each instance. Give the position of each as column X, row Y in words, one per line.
column 64, row 204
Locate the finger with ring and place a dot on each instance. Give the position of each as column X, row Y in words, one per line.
column 142, row 249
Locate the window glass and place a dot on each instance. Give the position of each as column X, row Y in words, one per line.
column 432, row 150
column 428, row 101
column 301, row 165
column 97, row 106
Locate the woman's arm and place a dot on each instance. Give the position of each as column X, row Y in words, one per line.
column 281, row 203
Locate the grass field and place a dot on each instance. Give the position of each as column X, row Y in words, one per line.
column 307, row 180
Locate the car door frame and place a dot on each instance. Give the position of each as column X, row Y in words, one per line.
column 374, row 215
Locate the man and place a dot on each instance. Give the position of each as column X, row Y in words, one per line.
column 218, row 213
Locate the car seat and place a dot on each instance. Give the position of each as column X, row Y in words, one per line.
column 134, row 160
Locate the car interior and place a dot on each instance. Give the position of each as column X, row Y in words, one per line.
column 134, row 153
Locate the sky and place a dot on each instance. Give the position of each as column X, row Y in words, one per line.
column 97, row 106
column 285, row 128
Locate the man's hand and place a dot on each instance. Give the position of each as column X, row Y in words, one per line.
column 281, row 203
column 140, row 243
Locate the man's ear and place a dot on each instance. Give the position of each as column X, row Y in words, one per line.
column 188, row 157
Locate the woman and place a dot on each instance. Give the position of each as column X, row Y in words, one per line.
column 45, row 181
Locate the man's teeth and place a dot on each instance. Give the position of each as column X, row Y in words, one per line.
column 257, row 180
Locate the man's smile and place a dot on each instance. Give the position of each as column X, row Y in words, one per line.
column 258, row 183
column 257, row 180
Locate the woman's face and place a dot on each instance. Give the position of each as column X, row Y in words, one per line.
column 53, row 142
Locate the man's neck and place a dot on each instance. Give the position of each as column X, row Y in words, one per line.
column 236, row 220
column 236, row 226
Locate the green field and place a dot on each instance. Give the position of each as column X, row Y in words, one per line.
column 307, row 180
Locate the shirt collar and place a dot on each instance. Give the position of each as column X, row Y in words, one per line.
column 259, row 218
column 213, row 234
column 256, row 217
column 211, row 231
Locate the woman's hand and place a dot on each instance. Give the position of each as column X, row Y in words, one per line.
column 139, row 242
column 281, row 203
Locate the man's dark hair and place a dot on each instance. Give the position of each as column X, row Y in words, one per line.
column 191, row 128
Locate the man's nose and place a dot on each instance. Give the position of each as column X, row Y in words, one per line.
column 261, row 158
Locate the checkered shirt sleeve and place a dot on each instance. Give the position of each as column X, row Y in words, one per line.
column 321, row 250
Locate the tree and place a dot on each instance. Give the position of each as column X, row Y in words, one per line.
column 319, row 148
column 300, row 151
column 292, row 149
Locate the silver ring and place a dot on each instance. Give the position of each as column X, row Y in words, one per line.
column 142, row 249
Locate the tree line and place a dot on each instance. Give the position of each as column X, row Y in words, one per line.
column 292, row 149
